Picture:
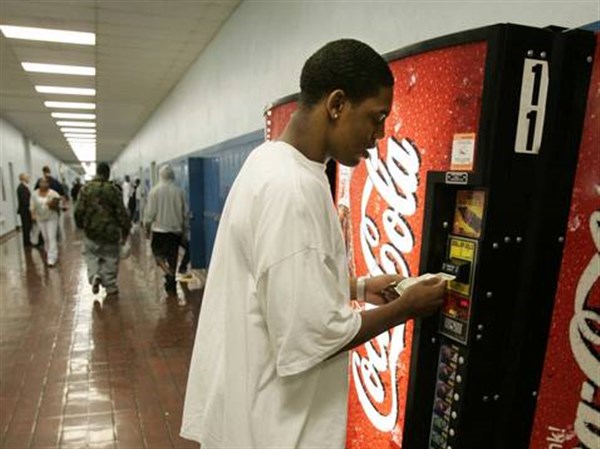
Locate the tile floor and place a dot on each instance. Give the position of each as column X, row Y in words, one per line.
column 78, row 372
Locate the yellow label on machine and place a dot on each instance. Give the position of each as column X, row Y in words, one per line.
column 463, row 250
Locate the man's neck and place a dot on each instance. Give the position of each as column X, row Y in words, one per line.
column 306, row 132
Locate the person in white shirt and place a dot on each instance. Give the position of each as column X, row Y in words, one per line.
column 127, row 190
column 270, row 365
column 45, row 204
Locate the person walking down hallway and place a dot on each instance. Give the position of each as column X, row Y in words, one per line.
column 166, row 219
column 44, row 206
column 53, row 183
column 75, row 189
column 101, row 214
column 23, row 208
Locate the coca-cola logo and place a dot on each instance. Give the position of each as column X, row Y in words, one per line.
column 396, row 181
column 585, row 341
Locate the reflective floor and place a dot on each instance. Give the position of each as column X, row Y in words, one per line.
column 78, row 372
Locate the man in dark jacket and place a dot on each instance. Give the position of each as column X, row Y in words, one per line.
column 23, row 208
column 101, row 214
column 54, row 183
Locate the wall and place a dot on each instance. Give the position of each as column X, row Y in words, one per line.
column 25, row 157
column 257, row 56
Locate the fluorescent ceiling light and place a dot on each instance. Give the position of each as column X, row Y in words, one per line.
column 81, row 140
column 58, row 68
column 65, row 90
column 69, row 105
column 85, row 154
column 78, row 130
column 79, row 135
column 76, row 124
column 73, row 115
column 48, row 35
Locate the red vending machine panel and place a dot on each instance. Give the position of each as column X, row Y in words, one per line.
column 568, row 410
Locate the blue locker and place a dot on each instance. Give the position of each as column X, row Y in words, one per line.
column 207, row 177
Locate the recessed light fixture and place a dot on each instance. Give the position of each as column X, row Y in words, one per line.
column 73, row 115
column 65, row 90
column 79, row 130
column 59, row 68
column 69, row 105
column 48, row 35
column 76, row 124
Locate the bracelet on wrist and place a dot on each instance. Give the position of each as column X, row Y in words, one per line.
column 361, row 284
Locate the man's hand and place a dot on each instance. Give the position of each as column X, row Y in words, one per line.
column 379, row 290
column 425, row 297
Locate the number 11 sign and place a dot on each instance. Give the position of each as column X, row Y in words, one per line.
column 532, row 109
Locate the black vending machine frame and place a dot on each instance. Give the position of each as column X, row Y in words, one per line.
column 511, row 298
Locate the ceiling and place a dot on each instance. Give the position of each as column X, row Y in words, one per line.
column 143, row 47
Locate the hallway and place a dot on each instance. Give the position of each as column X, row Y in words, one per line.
column 75, row 373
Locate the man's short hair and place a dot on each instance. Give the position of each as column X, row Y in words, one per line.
column 345, row 64
column 103, row 170
column 45, row 169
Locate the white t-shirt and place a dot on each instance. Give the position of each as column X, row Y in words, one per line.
column 39, row 205
column 127, row 189
column 275, row 310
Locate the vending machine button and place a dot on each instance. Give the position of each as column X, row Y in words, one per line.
column 456, row 396
column 458, row 378
column 454, row 415
column 461, row 360
column 451, row 432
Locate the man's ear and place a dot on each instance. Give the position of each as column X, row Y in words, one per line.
column 335, row 103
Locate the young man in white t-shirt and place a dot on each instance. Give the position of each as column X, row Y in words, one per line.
column 270, row 362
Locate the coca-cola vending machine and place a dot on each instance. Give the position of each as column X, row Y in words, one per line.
column 499, row 228
column 568, row 406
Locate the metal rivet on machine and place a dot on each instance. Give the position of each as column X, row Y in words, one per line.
column 485, row 398
column 543, row 55
column 433, row 340
column 507, row 239
column 561, row 239
column 480, row 327
column 495, row 245
column 589, row 59
column 445, row 225
column 519, row 239
column 488, row 294
column 534, row 393
column 496, row 397
column 478, row 337
column 529, row 52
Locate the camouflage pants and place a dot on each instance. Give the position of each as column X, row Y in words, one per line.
column 102, row 260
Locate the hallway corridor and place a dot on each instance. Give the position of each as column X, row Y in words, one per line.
column 75, row 373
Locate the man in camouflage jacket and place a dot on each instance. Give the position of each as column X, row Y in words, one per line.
column 101, row 214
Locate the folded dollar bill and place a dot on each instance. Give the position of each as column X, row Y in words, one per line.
column 407, row 282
